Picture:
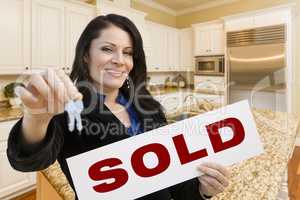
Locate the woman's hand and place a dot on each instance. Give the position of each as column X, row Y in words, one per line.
column 47, row 93
column 214, row 180
column 44, row 96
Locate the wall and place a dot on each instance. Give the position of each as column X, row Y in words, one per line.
column 155, row 15
column 228, row 9
column 250, row 5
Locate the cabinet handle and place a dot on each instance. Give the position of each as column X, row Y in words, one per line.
column 63, row 68
column 26, row 68
column 68, row 68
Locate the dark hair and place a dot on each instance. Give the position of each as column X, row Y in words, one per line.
column 80, row 70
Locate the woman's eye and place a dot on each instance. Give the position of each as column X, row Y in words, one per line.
column 128, row 53
column 106, row 49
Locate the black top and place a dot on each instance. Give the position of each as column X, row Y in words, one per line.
column 60, row 143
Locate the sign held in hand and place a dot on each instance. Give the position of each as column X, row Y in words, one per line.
column 163, row 157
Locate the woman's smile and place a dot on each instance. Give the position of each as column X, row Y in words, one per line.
column 116, row 73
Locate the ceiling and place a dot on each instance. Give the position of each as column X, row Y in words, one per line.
column 178, row 5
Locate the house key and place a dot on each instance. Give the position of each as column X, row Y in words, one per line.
column 74, row 108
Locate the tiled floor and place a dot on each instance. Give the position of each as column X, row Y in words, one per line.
column 294, row 179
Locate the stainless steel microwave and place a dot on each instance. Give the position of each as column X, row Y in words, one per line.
column 209, row 65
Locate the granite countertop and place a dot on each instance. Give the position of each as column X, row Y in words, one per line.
column 256, row 178
column 162, row 91
column 7, row 114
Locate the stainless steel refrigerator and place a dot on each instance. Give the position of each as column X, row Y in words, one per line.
column 256, row 67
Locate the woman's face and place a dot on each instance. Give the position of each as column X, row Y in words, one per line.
column 110, row 58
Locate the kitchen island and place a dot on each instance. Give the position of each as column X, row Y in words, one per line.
column 256, row 178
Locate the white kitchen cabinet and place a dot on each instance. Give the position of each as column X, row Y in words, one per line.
column 186, row 50
column 209, row 39
column 239, row 23
column 202, row 42
column 48, row 34
column 158, row 39
column 105, row 7
column 76, row 19
column 173, row 42
column 217, row 44
column 40, row 33
column 257, row 19
column 15, row 36
column 165, row 48
column 56, row 27
column 270, row 18
column 12, row 182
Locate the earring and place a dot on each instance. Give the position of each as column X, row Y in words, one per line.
column 127, row 82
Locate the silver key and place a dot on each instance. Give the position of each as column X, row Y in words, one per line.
column 74, row 108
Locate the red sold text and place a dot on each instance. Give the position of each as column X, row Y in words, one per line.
column 120, row 175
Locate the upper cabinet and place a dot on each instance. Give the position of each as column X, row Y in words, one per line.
column 186, row 49
column 76, row 19
column 48, row 34
column 173, row 50
column 157, row 61
column 56, row 27
column 40, row 33
column 254, row 20
column 15, row 36
column 165, row 48
column 208, row 39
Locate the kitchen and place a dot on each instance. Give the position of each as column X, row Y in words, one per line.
column 190, row 60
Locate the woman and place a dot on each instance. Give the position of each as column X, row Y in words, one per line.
column 110, row 74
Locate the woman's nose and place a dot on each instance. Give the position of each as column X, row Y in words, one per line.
column 118, row 58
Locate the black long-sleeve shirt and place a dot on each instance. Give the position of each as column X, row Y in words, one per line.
column 60, row 144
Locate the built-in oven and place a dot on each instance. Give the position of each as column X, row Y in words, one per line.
column 209, row 65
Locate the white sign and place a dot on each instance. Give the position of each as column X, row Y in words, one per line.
column 166, row 156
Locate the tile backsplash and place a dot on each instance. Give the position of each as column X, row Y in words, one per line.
column 158, row 78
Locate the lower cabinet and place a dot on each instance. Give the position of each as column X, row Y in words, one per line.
column 12, row 182
column 45, row 191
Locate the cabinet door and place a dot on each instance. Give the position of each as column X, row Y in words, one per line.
column 216, row 42
column 186, row 54
column 162, row 47
column 202, row 42
column 153, row 59
column 239, row 23
column 158, row 37
column 47, row 34
column 15, row 36
column 76, row 19
column 12, row 182
column 173, row 49
column 270, row 18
